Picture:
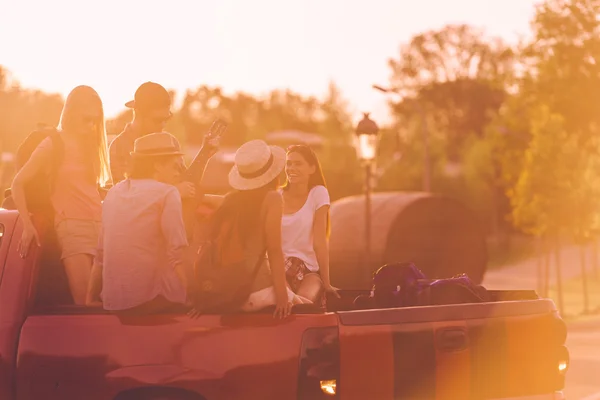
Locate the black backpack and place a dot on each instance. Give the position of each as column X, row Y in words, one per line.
column 55, row 289
column 39, row 189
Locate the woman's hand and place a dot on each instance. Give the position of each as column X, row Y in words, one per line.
column 331, row 289
column 283, row 309
column 29, row 235
column 187, row 190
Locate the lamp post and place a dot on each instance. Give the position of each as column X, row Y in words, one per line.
column 366, row 149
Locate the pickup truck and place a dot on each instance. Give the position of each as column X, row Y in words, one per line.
column 512, row 347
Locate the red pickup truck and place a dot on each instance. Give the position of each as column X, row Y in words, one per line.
column 510, row 348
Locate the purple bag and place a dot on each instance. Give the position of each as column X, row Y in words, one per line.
column 398, row 285
column 404, row 285
column 456, row 290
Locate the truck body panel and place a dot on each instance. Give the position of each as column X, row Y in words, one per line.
column 438, row 352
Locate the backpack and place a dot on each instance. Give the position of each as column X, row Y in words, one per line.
column 404, row 285
column 397, row 285
column 222, row 279
column 55, row 289
column 39, row 189
column 456, row 290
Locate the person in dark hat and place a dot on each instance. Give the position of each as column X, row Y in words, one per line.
column 151, row 110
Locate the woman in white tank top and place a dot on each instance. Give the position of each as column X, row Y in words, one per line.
column 305, row 225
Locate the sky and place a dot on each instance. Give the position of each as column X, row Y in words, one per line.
column 248, row 45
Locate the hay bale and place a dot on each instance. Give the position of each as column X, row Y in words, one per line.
column 439, row 234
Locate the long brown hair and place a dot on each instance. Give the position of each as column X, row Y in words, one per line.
column 316, row 178
column 71, row 111
column 245, row 207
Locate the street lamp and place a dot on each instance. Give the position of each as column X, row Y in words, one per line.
column 366, row 136
column 367, row 133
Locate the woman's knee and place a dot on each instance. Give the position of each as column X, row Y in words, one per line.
column 311, row 287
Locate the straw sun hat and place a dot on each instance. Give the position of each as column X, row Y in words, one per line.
column 156, row 144
column 256, row 164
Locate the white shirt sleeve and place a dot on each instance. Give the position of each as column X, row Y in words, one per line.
column 320, row 197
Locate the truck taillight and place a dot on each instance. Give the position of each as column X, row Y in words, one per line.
column 562, row 365
column 319, row 372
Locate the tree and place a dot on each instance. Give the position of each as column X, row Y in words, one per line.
column 338, row 157
column 542, row 200
column 21, row 110
column 456, row 77
column 541, row 195
column 564, row 58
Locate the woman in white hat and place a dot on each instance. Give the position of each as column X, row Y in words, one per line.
column 258, row 208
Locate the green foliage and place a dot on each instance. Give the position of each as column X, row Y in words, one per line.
column 553, row 183
column 457, row 78
column 541, row 194
column 480, row 178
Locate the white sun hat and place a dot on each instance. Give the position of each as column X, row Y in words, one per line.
column 256, row 164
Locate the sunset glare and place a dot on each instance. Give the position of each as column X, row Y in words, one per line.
column 252, row 46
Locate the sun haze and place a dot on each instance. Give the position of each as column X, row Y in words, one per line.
column 253, row 46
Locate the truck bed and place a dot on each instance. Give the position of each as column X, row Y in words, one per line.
column 487, row 350
column 509, row 348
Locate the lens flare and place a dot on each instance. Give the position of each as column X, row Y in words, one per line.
column 329, row 387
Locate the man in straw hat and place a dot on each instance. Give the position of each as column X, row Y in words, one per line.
column 139, row 267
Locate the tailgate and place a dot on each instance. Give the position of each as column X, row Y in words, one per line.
column 466, row 351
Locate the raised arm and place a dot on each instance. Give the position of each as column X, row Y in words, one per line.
column 195, row 171
column 39, row 159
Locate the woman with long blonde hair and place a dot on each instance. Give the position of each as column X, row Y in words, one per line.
column 75, row 197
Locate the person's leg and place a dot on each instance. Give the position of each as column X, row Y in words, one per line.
column 78, row 268
column 311, row 287
column 301, row 300
column 266, row 297
column 78, row 240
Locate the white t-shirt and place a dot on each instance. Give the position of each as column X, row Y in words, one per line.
column 297, row 228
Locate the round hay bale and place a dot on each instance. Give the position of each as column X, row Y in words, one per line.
column 439, row 234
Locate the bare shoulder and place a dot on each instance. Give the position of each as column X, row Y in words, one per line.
column 42, row 152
